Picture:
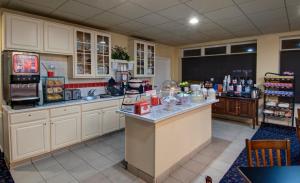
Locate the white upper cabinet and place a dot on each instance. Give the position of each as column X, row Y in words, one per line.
column 84, row 58
column 103, row 54
column 58, row 38
column 144, row 57
column 22, row 33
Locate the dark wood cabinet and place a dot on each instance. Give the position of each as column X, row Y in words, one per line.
column 219, row 107
column 237, row 107
column 232, row 107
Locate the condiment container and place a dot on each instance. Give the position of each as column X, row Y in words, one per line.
column 154, row 100
column 183, row 98
column 211, row 94
column 142, row 108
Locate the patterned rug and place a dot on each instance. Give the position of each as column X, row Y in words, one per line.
column 5, row 176
column 266, row 131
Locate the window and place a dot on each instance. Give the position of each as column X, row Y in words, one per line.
column 290, row 44
column 191, row 52
column 244, row 48
column 215, row 50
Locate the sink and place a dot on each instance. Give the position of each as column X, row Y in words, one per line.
column 90, row 98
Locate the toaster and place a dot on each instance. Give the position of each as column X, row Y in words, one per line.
column 68, row 94
column 76, row 94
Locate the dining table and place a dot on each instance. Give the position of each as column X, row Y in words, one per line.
column 276, row 174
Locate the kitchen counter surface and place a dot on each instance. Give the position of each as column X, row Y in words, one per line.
column 58, row 104
column 158, row 113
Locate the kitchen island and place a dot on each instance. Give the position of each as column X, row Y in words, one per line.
column 156, row 143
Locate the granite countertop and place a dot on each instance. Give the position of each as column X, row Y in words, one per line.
column 58, row 104
column 158, row 113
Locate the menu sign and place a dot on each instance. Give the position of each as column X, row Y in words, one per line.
column 25, row 64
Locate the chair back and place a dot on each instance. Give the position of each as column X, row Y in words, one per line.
column 208, row 179
column 268, row 147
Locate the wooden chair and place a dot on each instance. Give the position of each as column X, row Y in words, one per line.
column 208, row 179
column 269, row 146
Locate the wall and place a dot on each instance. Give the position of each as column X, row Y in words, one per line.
column 268, row 49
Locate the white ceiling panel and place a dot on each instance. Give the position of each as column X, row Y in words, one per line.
column 178, row 12
column 170, row 26
column 107, row 19
column 267, row 18
column 152, row 19
column 51, row 4
column 156, row 5
column 275, row 27
column 129, row 10
column 68, row 16
column 21, row 5
column 225, row 13
column 131, row 26
column 79, row 9
column 294, row 11
column 292, row 2
column 261, row 5
column 204, row 6
column 102, row 4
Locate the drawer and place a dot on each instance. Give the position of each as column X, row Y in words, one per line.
column 29, row 116
column 100, row 105
column 61, row 111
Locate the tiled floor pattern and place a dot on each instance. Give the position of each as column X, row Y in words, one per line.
column 98, row 161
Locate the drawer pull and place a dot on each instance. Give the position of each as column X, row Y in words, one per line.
column 65, row 109
column 29, row 114
column 45, row 124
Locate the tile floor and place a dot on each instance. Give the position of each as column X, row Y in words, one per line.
column 98, row 161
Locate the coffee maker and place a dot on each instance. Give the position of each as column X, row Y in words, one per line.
column 21, row 77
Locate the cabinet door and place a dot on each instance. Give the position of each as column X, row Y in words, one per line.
column 91, row 124
column 84, row 53
column 29, row 139
column 140, row 58
column 219, row 107
column 150, row 59
column 58, row 38
column 65, row 130
column 232, row 107
column 122, row 122
column 246, row 108
column 23, row 33
column 103, row 55
column 110, row 120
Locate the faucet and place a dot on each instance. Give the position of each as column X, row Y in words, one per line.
column 91, row 92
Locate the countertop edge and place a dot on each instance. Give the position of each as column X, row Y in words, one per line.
column 60, row 104
column 141, row 117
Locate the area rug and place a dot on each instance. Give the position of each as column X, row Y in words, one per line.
column 5, row 176
column 266, row 131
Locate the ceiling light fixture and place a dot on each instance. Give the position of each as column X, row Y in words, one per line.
column 194, row 21
column 250, row 50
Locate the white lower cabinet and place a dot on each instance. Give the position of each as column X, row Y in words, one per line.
column 65, row 130
column 122, row 122
column 91, row 124
column 30, row 139
column 110, row 119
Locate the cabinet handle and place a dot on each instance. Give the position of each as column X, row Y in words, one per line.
column 65, row 109
column 45, row 124
column 29, row 114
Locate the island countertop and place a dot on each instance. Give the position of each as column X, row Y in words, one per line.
column 158, row 113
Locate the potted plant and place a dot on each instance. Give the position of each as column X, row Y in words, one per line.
column 119, row 53
column 184, row 86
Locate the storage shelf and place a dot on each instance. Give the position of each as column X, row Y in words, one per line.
column 278, row 79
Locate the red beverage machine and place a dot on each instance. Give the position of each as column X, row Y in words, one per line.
column 21, row 77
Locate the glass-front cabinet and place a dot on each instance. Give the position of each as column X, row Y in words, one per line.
column 103, row 44
column 144, row 57
column 84, row 53
column 92, row 54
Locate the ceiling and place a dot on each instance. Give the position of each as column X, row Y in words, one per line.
column 166, row 21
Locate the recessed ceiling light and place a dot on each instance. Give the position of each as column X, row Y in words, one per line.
column 194, row 21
